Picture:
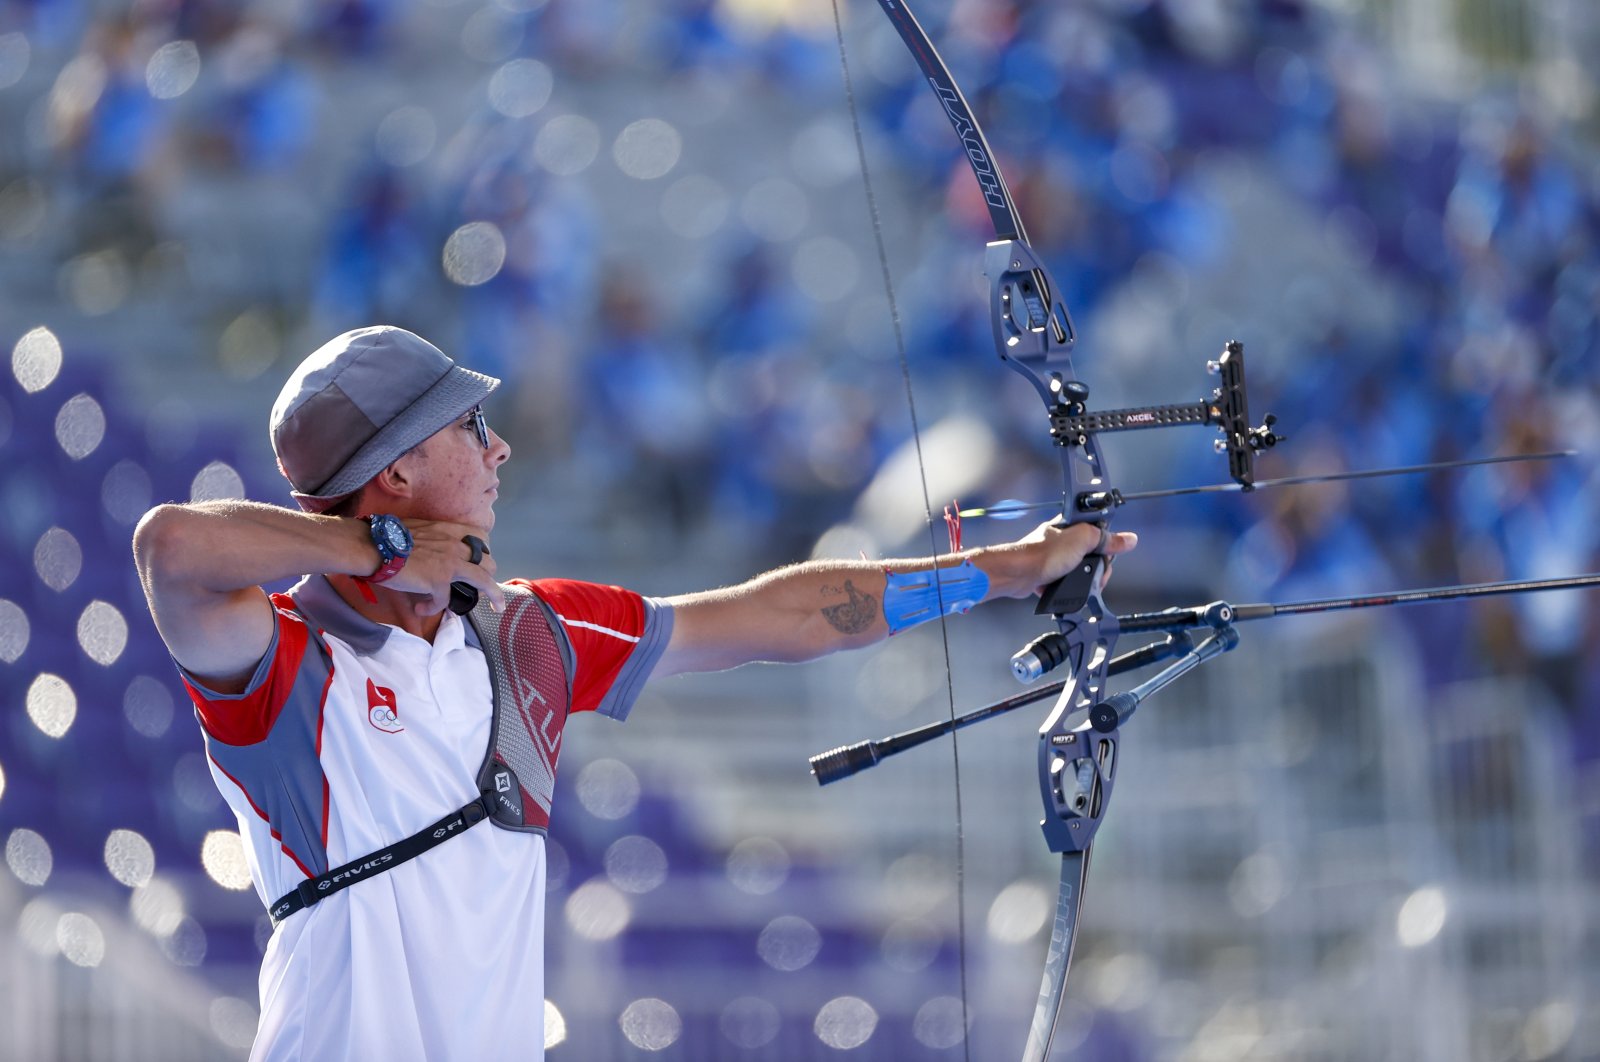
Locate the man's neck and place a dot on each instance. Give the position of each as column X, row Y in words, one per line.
column 393, row 607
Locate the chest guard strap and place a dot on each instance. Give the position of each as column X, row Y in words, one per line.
column 531, row 694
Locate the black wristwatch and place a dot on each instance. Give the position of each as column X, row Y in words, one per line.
column 393, row 542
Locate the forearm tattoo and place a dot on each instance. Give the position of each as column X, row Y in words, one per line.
column 852, row 616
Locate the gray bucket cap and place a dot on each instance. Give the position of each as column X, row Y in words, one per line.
column 360, row 402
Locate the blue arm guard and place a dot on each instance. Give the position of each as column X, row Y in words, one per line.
column 914, row 597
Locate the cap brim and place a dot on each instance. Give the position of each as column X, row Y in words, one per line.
column 456, row 392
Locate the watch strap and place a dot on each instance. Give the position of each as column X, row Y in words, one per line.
column 389, row 561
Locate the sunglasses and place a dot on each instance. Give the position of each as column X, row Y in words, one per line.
column 480, row 426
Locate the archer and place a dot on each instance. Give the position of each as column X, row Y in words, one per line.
column 361, row 724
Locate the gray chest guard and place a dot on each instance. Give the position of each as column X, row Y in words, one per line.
column 529, row 667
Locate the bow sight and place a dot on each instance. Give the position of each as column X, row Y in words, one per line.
column 1228, row 408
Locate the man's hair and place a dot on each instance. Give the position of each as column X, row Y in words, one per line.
column 347, row 506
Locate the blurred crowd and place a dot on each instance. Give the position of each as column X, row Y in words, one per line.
column 745, row 402
column 266, row 174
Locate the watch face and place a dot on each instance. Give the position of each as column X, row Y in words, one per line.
column 395, row 535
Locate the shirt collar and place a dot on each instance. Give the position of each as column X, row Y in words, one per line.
column 320, row 602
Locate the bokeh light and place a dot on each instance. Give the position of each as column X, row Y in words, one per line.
column 1124, row 981
column 249, row 345
column 474, row 254
column 1019, row 912
column 567, row 145
column 596, row 910
column 57, row 558
column 940, row 1022
column 36, row 359
column 555, row 1025
column 36, row 926
column 173, row 69
column 97, row 282
column 29, row 857
column 185, row 945
column 217, row 481
column 1422, row 916
column 608, row 789
column 650, row 1024
column 52, row 705
column 520, row 88
column 788, row 943
column 148, row 707
column 1549, row 1030
column 79, row 939
column 73, row 96
column 80, row 426
column 222, row 856
column 14, row 631
column 130, row 858
column 845, row 1022
column 126, row 492
column 758, row 865
column 647, row 149
column 102, row 632
column 636, row 864
column 157, row 907
column 1257, row 884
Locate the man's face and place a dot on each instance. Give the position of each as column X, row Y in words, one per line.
column 455, row 476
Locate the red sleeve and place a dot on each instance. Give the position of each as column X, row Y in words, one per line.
column 603, row 624
column 246, row 718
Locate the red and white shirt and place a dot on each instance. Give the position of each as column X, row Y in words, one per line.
column 353, row 735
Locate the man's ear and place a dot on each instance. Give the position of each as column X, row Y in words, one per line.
column 395, row 481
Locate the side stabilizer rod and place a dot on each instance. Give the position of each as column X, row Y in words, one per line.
column 846, row 760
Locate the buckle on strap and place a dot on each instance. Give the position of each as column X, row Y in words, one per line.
column 308, row 892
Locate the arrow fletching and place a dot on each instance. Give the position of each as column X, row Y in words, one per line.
column 1009, row 509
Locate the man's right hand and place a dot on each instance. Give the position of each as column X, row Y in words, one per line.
column 439, row 557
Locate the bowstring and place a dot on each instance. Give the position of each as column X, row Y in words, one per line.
column 927, row 504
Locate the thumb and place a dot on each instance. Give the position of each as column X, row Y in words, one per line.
column 1120, row 542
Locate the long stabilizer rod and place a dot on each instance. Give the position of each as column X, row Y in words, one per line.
column 1182, row 619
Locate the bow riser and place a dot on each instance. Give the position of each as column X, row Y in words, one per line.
column 1074, row 776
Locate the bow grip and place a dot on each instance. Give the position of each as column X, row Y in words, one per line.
column 1070, row 593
